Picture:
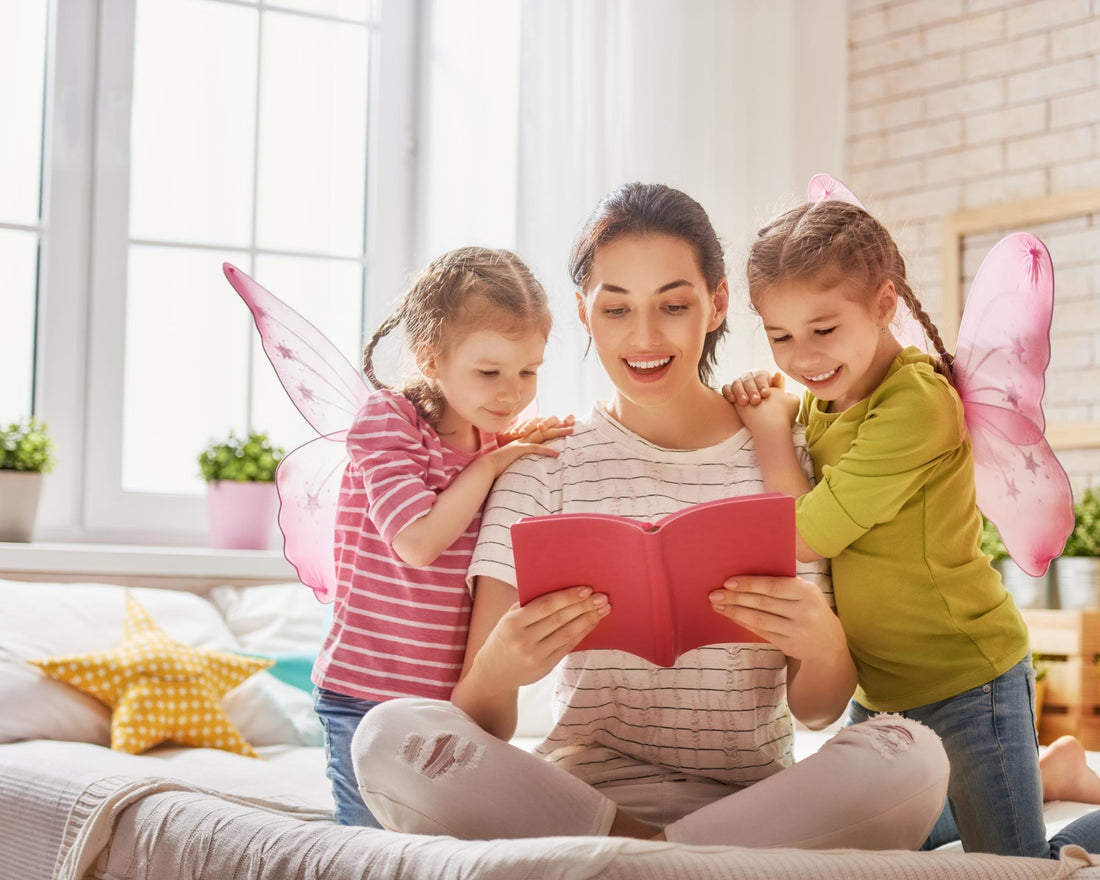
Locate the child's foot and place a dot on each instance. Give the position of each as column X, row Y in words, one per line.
column 1067, row 775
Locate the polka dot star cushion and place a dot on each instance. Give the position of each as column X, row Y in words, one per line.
column 159, row 689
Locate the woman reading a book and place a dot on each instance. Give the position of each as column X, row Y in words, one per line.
column 698, row 752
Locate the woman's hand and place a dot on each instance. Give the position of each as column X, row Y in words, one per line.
column 530, row 640
column 793, row 615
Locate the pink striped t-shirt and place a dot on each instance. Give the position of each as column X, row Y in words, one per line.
column 397, row 630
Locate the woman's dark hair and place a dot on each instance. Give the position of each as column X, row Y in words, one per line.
column 653, row 208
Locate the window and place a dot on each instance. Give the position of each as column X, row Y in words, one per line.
column 247, row 131
column 22, row 70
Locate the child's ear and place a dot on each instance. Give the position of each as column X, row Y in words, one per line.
column 582, row 311
column 426, row 364
column 721, row 302
column 887, row 303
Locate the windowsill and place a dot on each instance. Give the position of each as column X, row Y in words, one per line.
column 104, row 560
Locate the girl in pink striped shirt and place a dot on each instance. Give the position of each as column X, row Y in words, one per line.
column 422, row 462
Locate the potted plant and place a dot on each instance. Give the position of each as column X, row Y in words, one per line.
column 26, row 453
column 1078, row 568
column 1026, row 591
column 241, row 498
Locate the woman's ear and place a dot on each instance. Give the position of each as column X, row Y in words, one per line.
column 720, row 299
column 582, row 311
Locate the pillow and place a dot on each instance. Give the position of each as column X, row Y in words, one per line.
column 159, row 689
column 293, row 668
column 274, row 618
column 41, row 620
column 274, row 713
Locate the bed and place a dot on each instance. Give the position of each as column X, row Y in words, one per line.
column 71, row 807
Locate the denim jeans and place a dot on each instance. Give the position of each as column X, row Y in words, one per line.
column 340, row 716
column 995, row 795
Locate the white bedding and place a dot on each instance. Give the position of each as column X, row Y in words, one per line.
column 71, row 810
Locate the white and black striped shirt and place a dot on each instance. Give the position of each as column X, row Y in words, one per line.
column 721, row 711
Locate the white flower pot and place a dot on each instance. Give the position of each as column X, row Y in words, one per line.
column 19, row 494
column 1078, row 579
column 242, row 515
column 1027, row 591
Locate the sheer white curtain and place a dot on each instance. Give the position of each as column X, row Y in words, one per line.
column 736, row 102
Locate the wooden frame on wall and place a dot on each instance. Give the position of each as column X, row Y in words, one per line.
column 1013, row 216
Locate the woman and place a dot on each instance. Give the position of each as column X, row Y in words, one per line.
column 699, row 752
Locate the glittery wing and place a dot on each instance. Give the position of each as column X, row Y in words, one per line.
column 328, row 391
column 1000, row 366
column 823, row 187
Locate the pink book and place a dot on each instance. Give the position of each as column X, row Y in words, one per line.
column 658, row 575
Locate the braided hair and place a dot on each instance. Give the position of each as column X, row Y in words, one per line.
column 831, row 237
column 459, row 291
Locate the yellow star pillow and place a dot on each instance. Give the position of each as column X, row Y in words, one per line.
column 159, row 689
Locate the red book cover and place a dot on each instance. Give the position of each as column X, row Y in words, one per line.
column 658, row 575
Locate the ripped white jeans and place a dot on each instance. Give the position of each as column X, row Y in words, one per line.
column 425, row 767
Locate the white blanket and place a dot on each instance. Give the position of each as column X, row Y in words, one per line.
column 70, row 811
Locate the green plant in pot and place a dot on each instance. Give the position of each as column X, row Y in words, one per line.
column 26, row 453
column 242, row 501
column 1078, row 568
column 1026, row 591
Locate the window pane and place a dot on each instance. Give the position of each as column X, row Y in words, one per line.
column 329, row 294
column 356, row 10
column 313, row 135
column 193, row 120
column 18, row 269
column 187, row 346
column 22, row 71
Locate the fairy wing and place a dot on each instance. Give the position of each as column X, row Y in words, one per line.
column 1000, row 366
column 328, row 391
column 824, row 187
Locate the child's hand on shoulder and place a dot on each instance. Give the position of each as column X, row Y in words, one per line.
column 527, row 438
column 761, row 401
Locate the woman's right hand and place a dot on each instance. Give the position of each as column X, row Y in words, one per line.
column 529, row 640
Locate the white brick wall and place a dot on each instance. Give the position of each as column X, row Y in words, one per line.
column 961, row 104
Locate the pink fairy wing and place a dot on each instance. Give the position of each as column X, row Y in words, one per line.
column 824, row 187
column 308, row 480
column 328, row 391
column 1000, row 367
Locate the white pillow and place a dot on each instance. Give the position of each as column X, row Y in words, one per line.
column 40, row 620
column 274, row 618
column 269, row 712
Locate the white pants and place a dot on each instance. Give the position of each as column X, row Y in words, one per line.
column 425, row 767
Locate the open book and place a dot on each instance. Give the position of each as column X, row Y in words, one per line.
column 658, row 575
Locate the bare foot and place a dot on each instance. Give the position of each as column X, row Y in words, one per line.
column 1067, row 775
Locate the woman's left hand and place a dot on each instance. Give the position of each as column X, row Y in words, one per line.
column 789, row 612
column 793, row 615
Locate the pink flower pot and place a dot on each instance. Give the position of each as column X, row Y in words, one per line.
column 242, row 515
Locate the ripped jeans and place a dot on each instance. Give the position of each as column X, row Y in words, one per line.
column 995, row 798
column 879, row 785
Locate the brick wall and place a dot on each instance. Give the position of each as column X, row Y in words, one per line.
column 963, row 104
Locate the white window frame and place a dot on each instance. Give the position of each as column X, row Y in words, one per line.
column 80, row 345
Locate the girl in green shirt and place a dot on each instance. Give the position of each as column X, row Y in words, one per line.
column 933, row 633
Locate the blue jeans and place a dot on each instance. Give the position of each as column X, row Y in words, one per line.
column 340, row 716
column 995, row 793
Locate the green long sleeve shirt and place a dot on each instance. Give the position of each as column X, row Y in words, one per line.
column 925, row 614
